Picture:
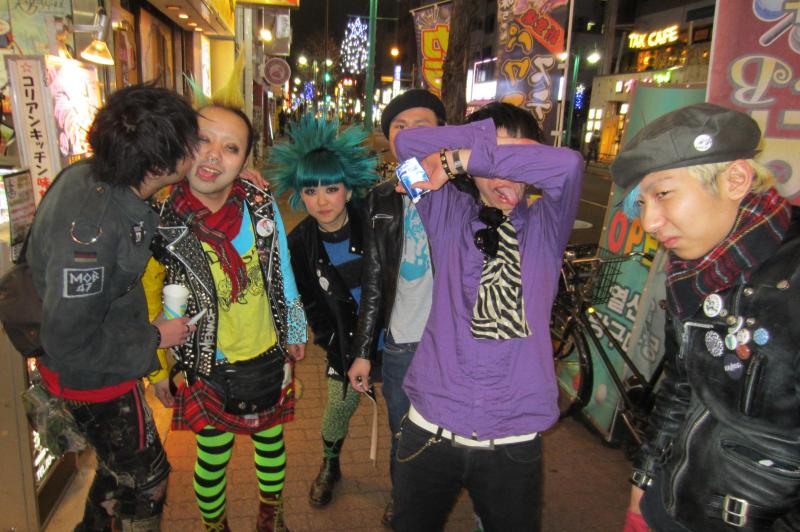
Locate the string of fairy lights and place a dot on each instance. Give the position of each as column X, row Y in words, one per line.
column 355, row 46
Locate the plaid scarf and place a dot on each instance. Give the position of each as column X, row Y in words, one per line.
column 216, row 229
column 760, row 226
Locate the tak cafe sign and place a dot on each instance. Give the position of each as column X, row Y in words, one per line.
column 654, row 38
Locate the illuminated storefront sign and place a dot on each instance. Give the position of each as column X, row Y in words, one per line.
column 654, row 38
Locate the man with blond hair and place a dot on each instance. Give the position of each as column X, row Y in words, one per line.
column 721, row 452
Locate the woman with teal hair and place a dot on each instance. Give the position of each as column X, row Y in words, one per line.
column 327, row 172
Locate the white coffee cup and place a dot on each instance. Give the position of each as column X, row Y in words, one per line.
column 175, row 298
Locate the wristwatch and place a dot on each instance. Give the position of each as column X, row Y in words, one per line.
column 457, row 162
column 640, row 479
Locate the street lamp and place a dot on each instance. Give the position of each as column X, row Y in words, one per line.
column 302, row 61
column 328, row 63
column 593, row 57
column 265, row 35
column 297, row 81
column 394, row 52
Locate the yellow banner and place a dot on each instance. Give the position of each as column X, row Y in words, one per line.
column 432, row 25
column 281, row 3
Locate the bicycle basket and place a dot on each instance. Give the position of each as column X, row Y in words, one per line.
column 606, row 276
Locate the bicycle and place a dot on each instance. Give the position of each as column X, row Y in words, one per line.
column 586, row 279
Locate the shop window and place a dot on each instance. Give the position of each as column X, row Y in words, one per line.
column 484, row 71
column 702, row 34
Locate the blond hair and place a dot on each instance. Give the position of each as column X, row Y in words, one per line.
column 707, row 174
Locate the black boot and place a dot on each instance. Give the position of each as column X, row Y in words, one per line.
column 329, row 474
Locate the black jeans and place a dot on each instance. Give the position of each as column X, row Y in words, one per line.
column 132, row 467
column 504, row 483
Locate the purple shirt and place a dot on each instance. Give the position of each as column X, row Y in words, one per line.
column 490, row 388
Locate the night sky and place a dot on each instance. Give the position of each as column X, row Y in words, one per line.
column 309, row 21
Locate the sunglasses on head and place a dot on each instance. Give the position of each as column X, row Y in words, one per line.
column 486, row 239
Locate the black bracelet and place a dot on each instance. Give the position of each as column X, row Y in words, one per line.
column 445, row 166
column 158, row 336
column 457, row 162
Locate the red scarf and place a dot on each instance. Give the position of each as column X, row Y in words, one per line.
column 216, row 229
column 760, row 226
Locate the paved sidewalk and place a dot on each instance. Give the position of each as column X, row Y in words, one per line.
column 359, row 497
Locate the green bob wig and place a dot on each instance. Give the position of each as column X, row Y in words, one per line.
column 318, row 154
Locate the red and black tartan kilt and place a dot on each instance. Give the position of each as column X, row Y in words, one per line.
column 199, row 405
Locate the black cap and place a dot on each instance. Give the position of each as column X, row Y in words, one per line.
column 408, row 100
column 696, row 134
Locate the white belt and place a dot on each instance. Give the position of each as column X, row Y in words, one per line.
column 416, row 418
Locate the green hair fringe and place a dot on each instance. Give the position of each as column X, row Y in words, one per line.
column 311, row 139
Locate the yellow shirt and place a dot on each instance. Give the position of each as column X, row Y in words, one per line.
column 246, row 327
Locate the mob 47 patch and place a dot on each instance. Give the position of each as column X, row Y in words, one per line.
column 83, row 282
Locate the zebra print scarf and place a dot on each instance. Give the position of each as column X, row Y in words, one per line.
column 499, row 312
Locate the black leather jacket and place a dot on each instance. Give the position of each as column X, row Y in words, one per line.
column 330, row 308
column 383, row 244
column 721, row 430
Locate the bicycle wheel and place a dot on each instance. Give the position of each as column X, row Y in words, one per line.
column 574, row 372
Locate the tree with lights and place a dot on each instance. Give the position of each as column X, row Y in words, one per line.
column 355, row 46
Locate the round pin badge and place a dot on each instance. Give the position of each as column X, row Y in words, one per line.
column 734, row 367
column 760, row 336
column 731, row 342
column 743, row 352
column 737, row 324
column 703, row 142
column 743, row 336
column 265, row 227
column 714, row 344
column 712, row 305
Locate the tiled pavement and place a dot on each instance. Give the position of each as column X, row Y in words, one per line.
column 585, row 487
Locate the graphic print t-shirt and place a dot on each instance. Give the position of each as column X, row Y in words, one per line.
column 412, row 303
column 245, row 328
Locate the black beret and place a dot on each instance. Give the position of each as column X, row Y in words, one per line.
column 696, row 134
column 408, row 100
